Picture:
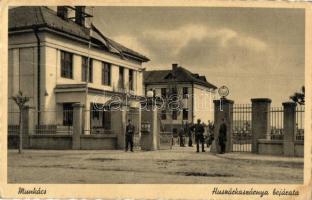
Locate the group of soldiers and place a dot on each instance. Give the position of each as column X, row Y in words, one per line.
column 198, row 129
column 188, row 130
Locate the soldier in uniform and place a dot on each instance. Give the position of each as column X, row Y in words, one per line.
column 181, row 137
column 129, row 135
column 199, row 135
column 222, row 136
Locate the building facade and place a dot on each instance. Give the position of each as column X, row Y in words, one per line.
column 193, row 92
column 57, row 60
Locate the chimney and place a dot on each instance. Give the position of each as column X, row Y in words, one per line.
column 174, row 67
column 80, row 15
column 62, row 12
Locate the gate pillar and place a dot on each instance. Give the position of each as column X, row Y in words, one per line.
column 289, row 128
column 260, row 120
column 223, row 109
column 150, row 138
column 119, row 123
column 77, row 125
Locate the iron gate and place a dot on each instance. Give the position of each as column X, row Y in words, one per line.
column 166, row 134
column 241, row 128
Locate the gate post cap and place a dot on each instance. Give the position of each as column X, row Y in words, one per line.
column 261, row 100
column 223, row 100
column 289, row 104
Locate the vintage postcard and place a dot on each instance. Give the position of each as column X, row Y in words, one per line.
column 156, row 99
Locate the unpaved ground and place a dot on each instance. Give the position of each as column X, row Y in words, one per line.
column 180, row 165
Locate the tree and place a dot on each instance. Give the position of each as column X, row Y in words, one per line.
column 20, row 100
column 298, row 97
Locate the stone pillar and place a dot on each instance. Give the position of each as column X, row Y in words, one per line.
column 260, row 120
column 77, row 125
column 223, row 108
column 118, row 125
column 87, row 119
column 140, row 121
column 149, row 141
column 289, row 128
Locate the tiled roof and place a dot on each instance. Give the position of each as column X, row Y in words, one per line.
column 182, row 75
column 26, row 17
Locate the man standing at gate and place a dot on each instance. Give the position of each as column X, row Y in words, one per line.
column 199, row 135
column 222, row 136
column 129, row 135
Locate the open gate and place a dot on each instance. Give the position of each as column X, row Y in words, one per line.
column 241, row 128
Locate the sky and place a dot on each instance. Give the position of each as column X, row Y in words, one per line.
column 255, row 52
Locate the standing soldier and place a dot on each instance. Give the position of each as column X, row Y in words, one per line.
column 129, row 135
column 199, row 135
column 181, row 137
column 188, row 132
column 222, row 136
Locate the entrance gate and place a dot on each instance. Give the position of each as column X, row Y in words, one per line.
column 241, row 128
column 166, row 138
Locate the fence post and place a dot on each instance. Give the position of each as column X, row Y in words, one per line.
column 77, row 125
column 223, row 108
column 118, row 125
column 149, row 141
column 260, row 119
column 87, row 119
column 289, row 128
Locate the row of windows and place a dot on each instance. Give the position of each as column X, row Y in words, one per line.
column 87, row 68
column 185, row 92
column 174, row 115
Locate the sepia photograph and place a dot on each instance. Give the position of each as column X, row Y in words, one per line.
column 107, row 94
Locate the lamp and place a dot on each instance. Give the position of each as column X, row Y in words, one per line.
column 150, row 94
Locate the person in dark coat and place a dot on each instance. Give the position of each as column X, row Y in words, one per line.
column 199, row 135
column 129, row 135
column 188, row 132
column 181, row 137
column 222, row 136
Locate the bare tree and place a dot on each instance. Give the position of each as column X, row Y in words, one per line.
column 20, row 100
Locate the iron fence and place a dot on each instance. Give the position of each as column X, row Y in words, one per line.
column 300, row 122
column 53, row 122
column 50, row 122
column 241, row 128
column 99, row 121
column 13, row 122
column 276, row 123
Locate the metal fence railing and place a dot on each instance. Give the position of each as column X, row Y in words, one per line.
column 277, row 123
column 51, row 122
column 13, row 122
column 241, row 128
column 300, row 122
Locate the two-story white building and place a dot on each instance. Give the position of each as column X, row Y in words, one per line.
column 194, row 92
column 56, row 61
